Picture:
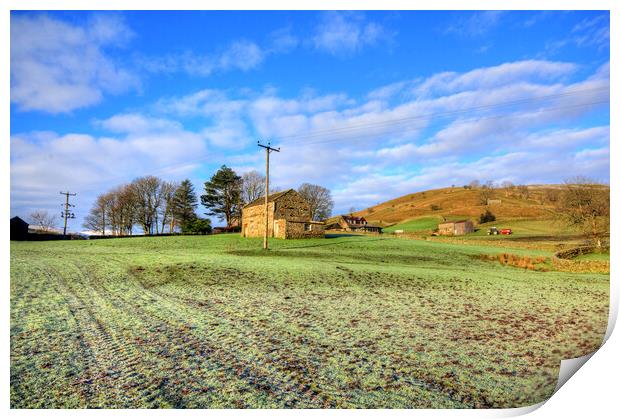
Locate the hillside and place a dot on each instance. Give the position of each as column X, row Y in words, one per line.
column 534, row 202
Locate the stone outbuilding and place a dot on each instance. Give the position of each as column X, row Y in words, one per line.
column 455, row 228
column 289, row 217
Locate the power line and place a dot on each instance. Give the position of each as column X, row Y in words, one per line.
column 439, row 114
column 463, row 121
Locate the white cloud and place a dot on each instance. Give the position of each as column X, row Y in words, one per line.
column 495, row 76
column 347, row 32
column 137, row 123
column 89, row 165
column 58, row 67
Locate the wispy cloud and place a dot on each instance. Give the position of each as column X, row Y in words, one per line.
column 241, row 55
column 283, row 41
column 590, row 32
column 343, row 33
column 475, row 24
column 58, row 67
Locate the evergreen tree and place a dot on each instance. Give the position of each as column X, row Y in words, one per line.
column 184, row 203
column 222, row 196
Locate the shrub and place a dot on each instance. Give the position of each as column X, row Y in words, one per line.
column 487, row 217
column 197, row 226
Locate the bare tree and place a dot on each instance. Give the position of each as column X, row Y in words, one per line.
column 43, row 219
column 523, row 191
column 585, row 204
column 252, row 186
column 147, row 193
column 486, row 192
column 166, row 210
column 96, row 218
column 508, row 186
column 550, row 195
column 319, row 199
column 126, row 206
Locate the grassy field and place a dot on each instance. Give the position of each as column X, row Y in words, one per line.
column 416, row 225
column 213, row 321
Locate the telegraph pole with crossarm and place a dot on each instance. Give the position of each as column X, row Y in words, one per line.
column 268, row 149
column 66, row 213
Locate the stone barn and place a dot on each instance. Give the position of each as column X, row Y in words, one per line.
column 455, row 228
column 289, row 217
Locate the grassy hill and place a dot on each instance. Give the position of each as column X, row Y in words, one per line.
column 531, row 209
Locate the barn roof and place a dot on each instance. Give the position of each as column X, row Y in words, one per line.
column 18, row 220
column 271, row 198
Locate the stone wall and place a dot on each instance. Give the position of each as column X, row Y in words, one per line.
column 292, row 207
column 253, row 221
column 304, row 230
column 463, row 228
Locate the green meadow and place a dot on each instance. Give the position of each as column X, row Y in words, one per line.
column 341, row 322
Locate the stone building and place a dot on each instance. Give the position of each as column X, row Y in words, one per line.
column 351, row 223
column 289, row 217
column 455, row 228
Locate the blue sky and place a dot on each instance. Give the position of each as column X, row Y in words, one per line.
column 372, row 105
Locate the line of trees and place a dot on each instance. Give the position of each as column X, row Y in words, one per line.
column 152, row 204
column 156, row 206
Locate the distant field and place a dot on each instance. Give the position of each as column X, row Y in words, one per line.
column 548, row 227
column 414, row 226
column 520, row 227
column 351, row 321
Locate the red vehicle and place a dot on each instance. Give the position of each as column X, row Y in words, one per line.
column 505, row 231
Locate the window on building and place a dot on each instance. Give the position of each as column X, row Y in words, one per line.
column 307, row 227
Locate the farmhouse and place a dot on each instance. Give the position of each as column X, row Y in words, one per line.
column 350, row 223
column 289, row 217
column 455, row 228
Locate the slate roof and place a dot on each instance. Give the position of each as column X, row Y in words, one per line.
column 272, row 198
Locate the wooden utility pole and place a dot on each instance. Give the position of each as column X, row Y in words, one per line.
column 66, row 214
column 268, row 150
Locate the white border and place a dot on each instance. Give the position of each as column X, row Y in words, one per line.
column 593, row 393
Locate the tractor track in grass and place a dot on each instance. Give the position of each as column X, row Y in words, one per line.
column 296, row 374
column 177, row 336
column 109, row 363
